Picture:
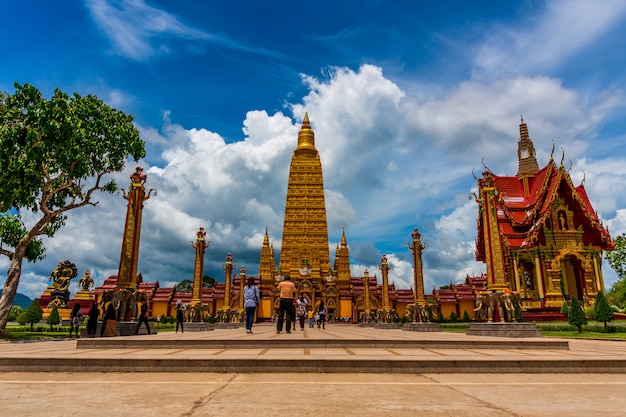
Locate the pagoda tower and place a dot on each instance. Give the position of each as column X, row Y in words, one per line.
column 267, row 264
column 305, row 231
column 127, row 272
column 342, row 261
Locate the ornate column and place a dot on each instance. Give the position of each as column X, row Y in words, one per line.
column 228, row 271
column 366, row 294
column 493, row 243
column 242, row 279
column 200, row 245
column 384, row 267
column 127, row 272
column 418, row 272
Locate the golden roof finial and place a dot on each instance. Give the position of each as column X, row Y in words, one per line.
column 306, row 137
column 344, row 242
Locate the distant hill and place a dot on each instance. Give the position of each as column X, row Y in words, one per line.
column 21, row 300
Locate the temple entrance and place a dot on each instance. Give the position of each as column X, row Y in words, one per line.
column 573, row 276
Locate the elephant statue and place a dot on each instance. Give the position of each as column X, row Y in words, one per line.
column 413, row 312
column 392, row 316
column 483, row 299
column 507, row 307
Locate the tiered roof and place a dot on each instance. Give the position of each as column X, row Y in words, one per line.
column 521, row 216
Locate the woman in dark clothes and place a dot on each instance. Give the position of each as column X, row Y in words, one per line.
column 92, row 322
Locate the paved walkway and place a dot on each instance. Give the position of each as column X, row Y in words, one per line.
column 351, row 393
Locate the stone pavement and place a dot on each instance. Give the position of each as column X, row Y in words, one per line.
column 586, row 379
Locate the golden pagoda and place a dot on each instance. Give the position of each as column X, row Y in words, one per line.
column 304, row 251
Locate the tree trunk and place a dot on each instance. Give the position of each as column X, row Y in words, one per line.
column 10, row 289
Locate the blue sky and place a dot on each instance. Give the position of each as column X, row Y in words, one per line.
column 405, row 97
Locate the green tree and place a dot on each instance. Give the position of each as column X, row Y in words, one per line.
column 603, row 310
column 466, row 316
column 54, row 154
column 208, row 282
column 34, row 313
column 54, row 318
column 617, row 261
column 576, row 316
column 184, row 286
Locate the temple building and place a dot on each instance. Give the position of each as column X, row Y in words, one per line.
column 538, row 234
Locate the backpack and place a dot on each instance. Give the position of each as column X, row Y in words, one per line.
column 301, row 310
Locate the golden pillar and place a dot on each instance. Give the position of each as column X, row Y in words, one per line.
column 418, row 271
column 366, row 294
column 242, row 279
column 200, row 245
column 384, row 267
column 491, row 230
column 228, row 272
column 127, row 272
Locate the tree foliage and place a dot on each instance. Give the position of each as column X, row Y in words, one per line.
column 54, row 154
column 617, row 261
column 54, row 318
column 34, row 313
column 186, row 285
column 576, row 316
column 603, row 310
column 208, row 282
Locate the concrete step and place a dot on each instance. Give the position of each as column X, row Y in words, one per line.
column 147, row 343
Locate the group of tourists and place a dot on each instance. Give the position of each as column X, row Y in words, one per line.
column 109, row 320
column 290, row 310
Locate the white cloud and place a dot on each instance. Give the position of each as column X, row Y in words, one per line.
column 547, row 39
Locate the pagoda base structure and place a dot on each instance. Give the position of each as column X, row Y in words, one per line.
column 366, row 324
column 504, row 330
column 422, row 327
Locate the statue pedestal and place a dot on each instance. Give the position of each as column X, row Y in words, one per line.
column 64, row 313
column 387, row 325
column 127, row 328
column 219, row 326
column 198, row 326
column 422, row 327
column 366, row 324
column 504, row 329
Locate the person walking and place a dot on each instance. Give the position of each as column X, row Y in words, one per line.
column 92, row 321
column 143, row 317
column 287, row 291
column 76, row 319
column 311, row 315
column 251, row 298
column 109, row 318
column 301, row 311
column 180, row 315
column 321, row 310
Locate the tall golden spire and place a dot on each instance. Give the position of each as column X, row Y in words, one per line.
column 527, row 166
column 305, row 230
column 342, row 260
column 266, row 264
